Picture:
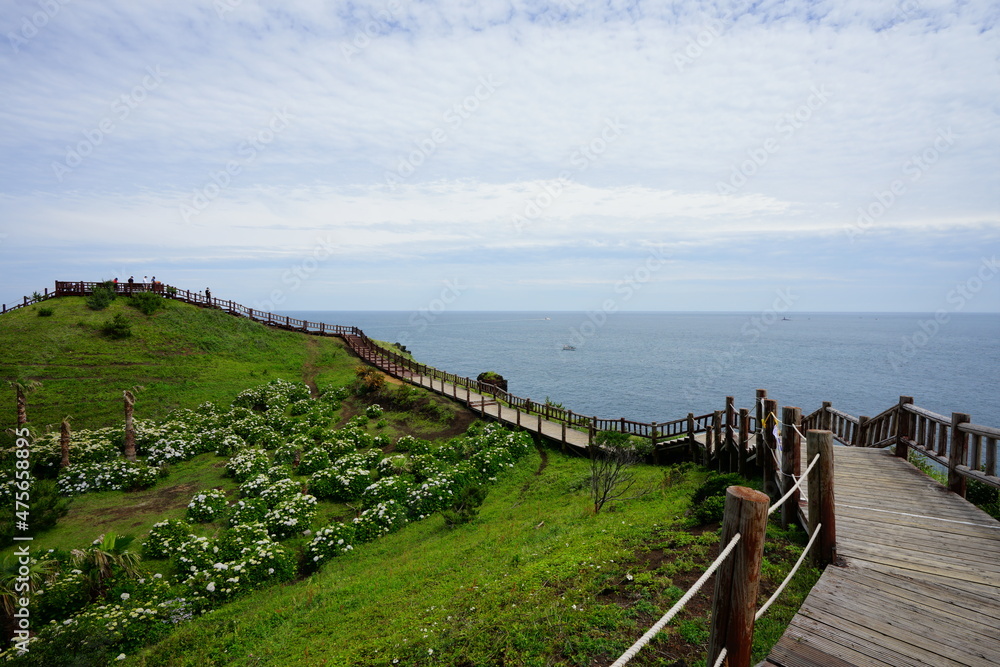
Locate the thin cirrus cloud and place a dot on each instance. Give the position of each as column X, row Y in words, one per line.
column 555, row 142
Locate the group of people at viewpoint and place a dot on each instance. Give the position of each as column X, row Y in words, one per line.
column 156, row 285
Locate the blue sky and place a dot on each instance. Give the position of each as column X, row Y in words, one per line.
column 509, row 155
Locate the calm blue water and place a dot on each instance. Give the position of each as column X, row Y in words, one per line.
column 660, row 366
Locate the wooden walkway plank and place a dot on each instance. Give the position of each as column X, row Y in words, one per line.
column 921, row 581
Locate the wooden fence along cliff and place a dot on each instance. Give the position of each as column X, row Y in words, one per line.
column 916, row 579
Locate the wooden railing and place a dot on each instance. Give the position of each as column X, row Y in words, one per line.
column 731, row 439
column 966, row 450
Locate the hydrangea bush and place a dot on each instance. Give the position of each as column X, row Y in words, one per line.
column 208, row 506
column 117, row 475
column 165, row 538
column 333, row 540
column 290, row 516
column 248, row 463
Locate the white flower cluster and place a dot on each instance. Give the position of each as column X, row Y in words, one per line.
column 116, row 475
column 248, row 463
column 207, row 506
column 291, row 516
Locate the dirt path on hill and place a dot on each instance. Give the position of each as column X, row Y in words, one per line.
column 309, row 369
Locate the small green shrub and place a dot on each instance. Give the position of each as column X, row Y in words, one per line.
column 118, row 327
column 715, row 485
column 146, row 303
column 710, row 510
column 465, row 508
column 46, row 312
column 101, row 297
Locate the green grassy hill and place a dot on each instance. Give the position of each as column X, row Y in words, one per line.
column 536, row 579
column 181, row 356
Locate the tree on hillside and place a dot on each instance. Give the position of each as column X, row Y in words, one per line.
column 64, row 438
column 22, row 388
column 129, row 426
column 612, row 458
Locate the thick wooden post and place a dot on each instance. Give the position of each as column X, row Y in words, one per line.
column 744, row 446
column 591, row 431
column 861, row 434
column 770, row 446
column 791, row 418
column 904, row 421
column 759, row 430
column 825, row 418
column 956, row 453
column 738, row 578
column 821, row 500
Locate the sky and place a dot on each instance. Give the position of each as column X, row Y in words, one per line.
column 491, row 155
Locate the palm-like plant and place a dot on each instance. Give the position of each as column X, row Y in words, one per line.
column 106, row 557
column 22, row 388
column 39, row 570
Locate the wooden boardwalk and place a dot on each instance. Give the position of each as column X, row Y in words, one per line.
column 919, row 582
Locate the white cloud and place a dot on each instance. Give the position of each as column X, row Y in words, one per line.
column 487, row 105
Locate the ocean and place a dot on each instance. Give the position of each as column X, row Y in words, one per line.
column 650, row 366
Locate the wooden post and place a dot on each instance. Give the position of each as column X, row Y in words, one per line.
column 591, row 431
column 731, row 433
column 759, row 430
column 791, row 418
column 770, row 445
column 904, row 421
column 720, row 449
column 738, row 578
column 821, row 500
column 709, row 445
column 692, row 443
column 825, row 418
column 956, row 453
column 744, row 445
column 861, row 434
column 652, row 442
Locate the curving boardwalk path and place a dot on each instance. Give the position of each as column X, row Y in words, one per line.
column 920, row 579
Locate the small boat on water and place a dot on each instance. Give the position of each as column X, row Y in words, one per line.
column 568, row 347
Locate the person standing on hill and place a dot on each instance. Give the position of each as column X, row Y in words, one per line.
column 208, row 295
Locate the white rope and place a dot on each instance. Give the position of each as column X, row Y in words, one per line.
column 630, row 653
column 721, row 658
column 795, row 568
column 795, row 486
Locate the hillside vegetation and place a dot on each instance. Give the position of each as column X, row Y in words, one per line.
column 290, row 510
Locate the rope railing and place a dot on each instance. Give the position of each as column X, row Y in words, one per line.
column 691, row 592
column 795, row 487
column 795, row 568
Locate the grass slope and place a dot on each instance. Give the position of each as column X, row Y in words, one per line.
column 537, row 579
column 181, row 356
